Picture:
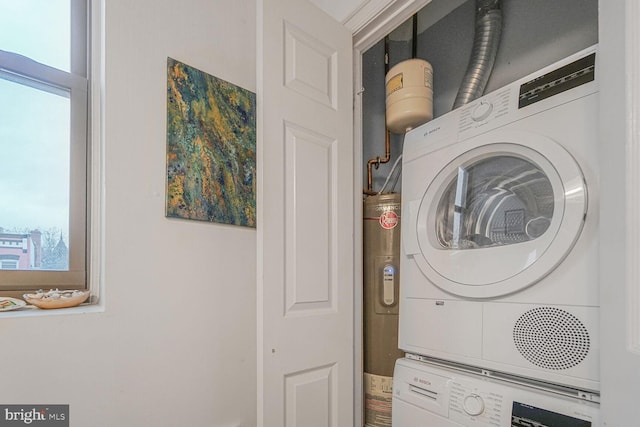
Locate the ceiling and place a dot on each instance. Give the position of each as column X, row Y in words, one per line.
column 340, row 10
column 376, row 18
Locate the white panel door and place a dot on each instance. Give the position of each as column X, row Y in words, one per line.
column 305, row 218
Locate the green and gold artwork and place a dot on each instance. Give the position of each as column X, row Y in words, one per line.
column 211, row 146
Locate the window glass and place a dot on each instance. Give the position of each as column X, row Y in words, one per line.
column 38, row 29
column 500, row 200
column 34, row 176
column 44, row 145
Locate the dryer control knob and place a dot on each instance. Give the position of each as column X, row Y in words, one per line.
column 473, row 405
column 481, row 111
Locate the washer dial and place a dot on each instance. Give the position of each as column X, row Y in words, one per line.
column 473, row 405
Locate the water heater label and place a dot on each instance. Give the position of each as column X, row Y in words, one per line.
column 378, row 394
column 394, row 84
column 428, row 77
column 388, row 220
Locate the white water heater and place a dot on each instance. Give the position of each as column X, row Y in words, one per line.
column 409, row 91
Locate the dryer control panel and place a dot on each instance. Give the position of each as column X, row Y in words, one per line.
column 489, row 108
column 554, row 85
column 461, row 398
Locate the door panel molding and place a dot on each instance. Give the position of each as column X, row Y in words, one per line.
column 310, row 66
column 310, row 182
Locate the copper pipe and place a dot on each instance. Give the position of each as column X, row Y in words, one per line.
column 377, row 161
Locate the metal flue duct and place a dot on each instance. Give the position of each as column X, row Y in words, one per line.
column 488, row 29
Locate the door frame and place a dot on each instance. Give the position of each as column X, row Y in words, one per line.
column 370, row 33
column 619, row 40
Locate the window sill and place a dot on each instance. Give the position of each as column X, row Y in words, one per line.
column 33, row 311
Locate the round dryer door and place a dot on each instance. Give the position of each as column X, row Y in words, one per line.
column 500, row 216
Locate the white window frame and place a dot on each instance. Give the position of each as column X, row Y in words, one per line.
column 75, row 84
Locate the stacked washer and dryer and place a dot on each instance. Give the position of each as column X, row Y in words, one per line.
column 499, row 258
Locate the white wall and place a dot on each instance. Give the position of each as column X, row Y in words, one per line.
column 176, row 345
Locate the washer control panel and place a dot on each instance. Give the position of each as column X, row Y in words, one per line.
column 466, row 398
column 475, row 402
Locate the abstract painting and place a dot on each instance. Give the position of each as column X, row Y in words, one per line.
column 211, row 146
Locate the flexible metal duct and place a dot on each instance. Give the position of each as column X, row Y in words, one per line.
column 485, row 47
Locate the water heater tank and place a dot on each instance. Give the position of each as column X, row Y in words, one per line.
column 409, row 89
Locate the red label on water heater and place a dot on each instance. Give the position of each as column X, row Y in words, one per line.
column 388, row 220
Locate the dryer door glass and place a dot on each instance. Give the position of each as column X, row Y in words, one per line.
column 499, row 200
column 498, row 216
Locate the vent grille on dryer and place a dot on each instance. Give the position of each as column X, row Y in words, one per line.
column 551, row 338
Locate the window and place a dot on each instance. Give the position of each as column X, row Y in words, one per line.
column 44, row 111
column 8, row 262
